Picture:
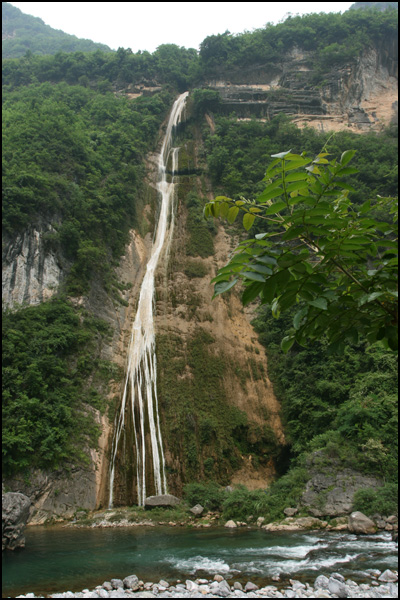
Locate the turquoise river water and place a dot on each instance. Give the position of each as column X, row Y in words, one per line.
column 59, row 559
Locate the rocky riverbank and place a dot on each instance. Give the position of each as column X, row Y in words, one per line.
column 356, row 522
column 378, row 585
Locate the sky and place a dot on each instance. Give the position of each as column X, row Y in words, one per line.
column 147, row 25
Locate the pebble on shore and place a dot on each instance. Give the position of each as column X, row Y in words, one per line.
column 382, row 585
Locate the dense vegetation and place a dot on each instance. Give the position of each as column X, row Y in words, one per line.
column 318, row 250
column 24, row 33
column 75, row 158
column 344, row 406
column 50, row 379
column 238, row 153
column 331, row 39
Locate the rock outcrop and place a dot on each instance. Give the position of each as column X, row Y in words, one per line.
column 330, row 489
column 31, row 270
column 15, row 513
column 359, row 96
column 56, row 495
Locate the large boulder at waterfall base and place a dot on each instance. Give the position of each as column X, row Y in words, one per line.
column 197, row 510
column 359, row 523
column 15, row 513
column 164, row 500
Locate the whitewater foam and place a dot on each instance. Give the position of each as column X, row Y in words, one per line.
column 199, row 563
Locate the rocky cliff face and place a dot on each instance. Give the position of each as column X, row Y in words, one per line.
column 359, row 97
column 31, row 272
column 331, row 488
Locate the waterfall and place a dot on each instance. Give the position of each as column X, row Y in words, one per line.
column 141, row 371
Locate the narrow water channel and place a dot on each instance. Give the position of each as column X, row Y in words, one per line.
column 59, row 559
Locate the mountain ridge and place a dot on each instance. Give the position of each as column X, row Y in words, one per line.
column 22, row 33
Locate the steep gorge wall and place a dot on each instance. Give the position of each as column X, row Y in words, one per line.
column 207, row 353
column 220, row 415
column 32, row 273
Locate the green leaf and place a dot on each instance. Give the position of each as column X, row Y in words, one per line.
column 261, row 269
column 254, row 276
column 268, row 290
column 346, row 157
column 223, row 199
column 232, row 214
column 301, row 176
column 374, row 296
column 287, row 300
column 224, row 286
column 296, row 157
column 275, row 208
column 299, row 317
column 319, row 303
column 275, row 308
column 287, row 343
column 271, row 167
column 221, row 277
column 297, row 185
column 336, row 348
column 347, row 171
column 297, row 164
column 268, row 260
column 268, row 194
column 224, row 208
column 248, row 220
column 251, row 292
column 240, row 258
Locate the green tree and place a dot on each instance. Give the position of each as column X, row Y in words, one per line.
column 319, row 251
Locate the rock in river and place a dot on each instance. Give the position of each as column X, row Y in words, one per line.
column 359, row 523
column 15, row 513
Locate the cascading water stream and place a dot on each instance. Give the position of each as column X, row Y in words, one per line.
column 141, row 374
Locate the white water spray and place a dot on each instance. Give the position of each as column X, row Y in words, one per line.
column 141, row 374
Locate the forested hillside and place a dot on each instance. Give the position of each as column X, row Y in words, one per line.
column 80, row 130
column 22, row 34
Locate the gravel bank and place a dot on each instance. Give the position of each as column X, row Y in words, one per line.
column 380, row 585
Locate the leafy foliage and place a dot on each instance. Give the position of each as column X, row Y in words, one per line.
column 331, row 256
column 237, row 152
column 330, row 38
column 210, row 496
column 241, row 503
column 75, row 157
column 381, row 501
column 48, row 355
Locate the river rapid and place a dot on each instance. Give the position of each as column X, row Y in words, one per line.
column 57, row 559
